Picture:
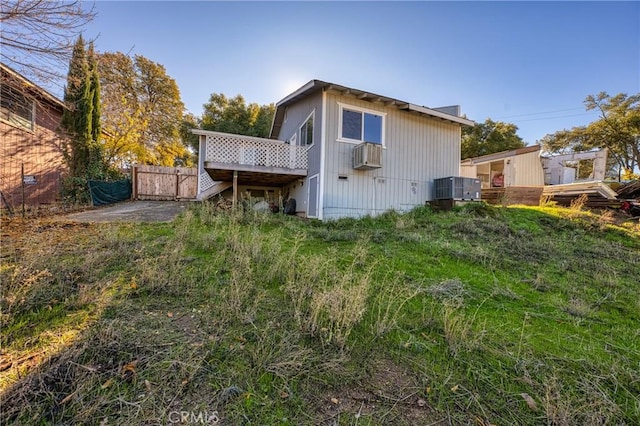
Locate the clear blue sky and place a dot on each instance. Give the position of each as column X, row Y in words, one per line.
column 528, row 63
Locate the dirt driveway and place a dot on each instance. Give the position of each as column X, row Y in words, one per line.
column 131, row 211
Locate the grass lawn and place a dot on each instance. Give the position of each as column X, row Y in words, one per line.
column 481, row 315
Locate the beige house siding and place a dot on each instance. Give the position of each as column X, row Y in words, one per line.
column 528, row 169
column 520, row 167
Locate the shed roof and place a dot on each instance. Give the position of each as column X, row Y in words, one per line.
column 502, row 154
column 314, row 86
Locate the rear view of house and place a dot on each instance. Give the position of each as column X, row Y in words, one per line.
column 339, row 152
column 31, row 148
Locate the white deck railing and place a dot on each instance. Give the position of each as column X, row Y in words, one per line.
column 247, row 150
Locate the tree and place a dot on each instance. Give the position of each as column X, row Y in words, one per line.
column 489, row 137
column 37, row 36
column 617, row 129
column 143, row 112
column 80, row 121
column 189, row 122
column 233, row 115
column 94, row 89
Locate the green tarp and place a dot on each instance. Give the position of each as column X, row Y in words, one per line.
column 109, row 192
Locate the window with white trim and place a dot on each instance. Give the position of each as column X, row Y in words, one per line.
column 306, row 132
column 16, row 108
column 361, row 125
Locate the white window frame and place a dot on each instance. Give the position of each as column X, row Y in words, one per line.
column 343, row 106
column 312, row 115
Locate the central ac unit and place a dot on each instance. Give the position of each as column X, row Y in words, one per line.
column 367, row 156
column 457, row 188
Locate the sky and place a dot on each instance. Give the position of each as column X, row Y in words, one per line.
column 527, row 63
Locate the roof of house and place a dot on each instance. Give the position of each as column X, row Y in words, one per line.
column 28, row 85
column 317, row 85
column 502, row 154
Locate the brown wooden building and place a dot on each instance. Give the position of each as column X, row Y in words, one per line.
column 31, row 145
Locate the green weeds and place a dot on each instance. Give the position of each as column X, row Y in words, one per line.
column 482, row 315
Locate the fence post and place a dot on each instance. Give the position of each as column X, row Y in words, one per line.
column 22, row 178
column 134, row 183
column 177, row 185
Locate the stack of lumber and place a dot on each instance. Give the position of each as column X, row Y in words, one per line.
column 598, row 194
column 630, row 190
column 525, row 195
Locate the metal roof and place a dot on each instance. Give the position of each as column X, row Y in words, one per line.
column 502, row 154
column 314, row 86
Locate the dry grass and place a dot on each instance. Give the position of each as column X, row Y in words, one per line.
column 578, row 203
column 388, row 303
column 268, row 319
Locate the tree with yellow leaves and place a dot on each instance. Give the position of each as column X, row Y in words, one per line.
column 142, row 112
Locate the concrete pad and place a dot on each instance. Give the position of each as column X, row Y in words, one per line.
column 131, row 211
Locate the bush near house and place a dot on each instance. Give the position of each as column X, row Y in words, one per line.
column 482, row 315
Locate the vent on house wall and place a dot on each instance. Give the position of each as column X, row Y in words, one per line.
column 367, row 156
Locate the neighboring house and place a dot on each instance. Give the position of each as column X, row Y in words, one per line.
column 31, row 148
column 339, row 152
column 517, row 167
column 575, row 167
column 528, row 167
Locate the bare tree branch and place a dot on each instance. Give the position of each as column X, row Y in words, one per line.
column 37, row 37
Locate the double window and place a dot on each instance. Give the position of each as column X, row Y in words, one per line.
column 15, row 108
column 361, row 125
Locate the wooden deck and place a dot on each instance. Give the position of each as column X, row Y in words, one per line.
column 246, row 160
column 253, row 175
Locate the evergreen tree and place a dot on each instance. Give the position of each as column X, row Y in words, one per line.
column 81, row 122
column 77, row 117
column 96, row 161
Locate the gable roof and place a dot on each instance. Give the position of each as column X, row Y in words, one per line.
column 27, row 85
column 317, row 85
column 502, row 154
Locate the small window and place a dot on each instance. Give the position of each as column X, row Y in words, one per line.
column 16, row 108
column 306, row 132
column 361, row 125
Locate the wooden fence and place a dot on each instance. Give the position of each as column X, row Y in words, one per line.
column 164, row 183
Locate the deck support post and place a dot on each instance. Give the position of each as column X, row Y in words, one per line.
column 235, row 188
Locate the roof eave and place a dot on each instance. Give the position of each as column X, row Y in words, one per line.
column 438, row 114
column 315, row 85
column 39, row 91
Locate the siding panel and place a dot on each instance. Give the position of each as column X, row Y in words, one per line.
column 417, row 150
column 296, row 115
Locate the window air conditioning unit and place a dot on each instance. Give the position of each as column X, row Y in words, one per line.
column 456, row 188
column 367, row 156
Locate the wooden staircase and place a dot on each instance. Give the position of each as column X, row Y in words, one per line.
column 214, row 190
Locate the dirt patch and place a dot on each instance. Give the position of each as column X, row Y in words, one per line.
column 390, row 396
